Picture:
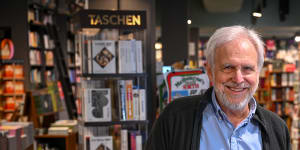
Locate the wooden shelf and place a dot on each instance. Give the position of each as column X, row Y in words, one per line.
column 36, row 48
column 287, row 86
column 11, row 61
column 283, row 101
column 70, row 140
column 11, row 78
column 12, row 94
column 53, row 136
column 280, row 72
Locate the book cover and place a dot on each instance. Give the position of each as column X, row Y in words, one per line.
column 142, row 104
column 139, row 57
column 127, row 57
column 43, row 103
column 97, row 105
column 101, row 143
column 103, row 56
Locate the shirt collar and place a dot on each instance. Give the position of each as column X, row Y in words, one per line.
column 219, row 113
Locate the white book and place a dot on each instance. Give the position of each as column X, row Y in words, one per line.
column 46, row 41
column 136, row 99
column 127, row 58
column 103, row 56
column 142, row 104
column 284, row 79
column 89, row 56
column 97, row 105
column 138, row 140
column 139, row 57
column 99, row 142
column 124, row 139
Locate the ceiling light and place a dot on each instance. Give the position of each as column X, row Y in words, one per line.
column 257, row 13
column 297, row 37
column 189, row 21
column 158, row 45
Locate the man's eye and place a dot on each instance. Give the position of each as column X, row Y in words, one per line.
column 248, row 69
column 228, row 68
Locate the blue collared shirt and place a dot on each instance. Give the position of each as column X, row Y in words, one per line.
column 218, row 133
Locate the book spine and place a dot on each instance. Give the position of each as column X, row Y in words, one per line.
column 124, row 139
column 132, row 140
column 142, row 104
column 138, row 144
column 122, row 100
column 89, row 57
column 135, row 93
column 139, row 57
column 129, row 99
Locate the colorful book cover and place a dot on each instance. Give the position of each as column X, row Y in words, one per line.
column 103, row 56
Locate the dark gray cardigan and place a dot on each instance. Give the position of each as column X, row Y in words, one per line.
column 179, row 126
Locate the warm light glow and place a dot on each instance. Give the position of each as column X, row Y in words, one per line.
column 189, row 21
column 90, row 31
column 297, row 38
column 158, row 45
column 256, row 14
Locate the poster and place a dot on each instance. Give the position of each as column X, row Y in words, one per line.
column 185, row 83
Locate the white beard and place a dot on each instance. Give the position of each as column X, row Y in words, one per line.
column 223, row 98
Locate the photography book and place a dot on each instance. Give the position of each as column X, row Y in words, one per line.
column 97, row 105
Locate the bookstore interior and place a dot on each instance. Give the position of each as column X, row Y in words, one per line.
column 95, row 74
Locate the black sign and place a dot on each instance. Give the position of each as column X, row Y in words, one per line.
column 111, row 19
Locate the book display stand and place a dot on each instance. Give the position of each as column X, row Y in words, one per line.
column 114, row 78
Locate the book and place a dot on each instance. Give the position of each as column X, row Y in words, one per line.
column 101, row 143
column 43, row 103
column 124, row 139
column 129, row 99
column 139, row 57
column 103, row 56
column 122, row 99
column 142, row 104
column 127, row 56
column 136, row 100
column 97, row 105
column 139, row 144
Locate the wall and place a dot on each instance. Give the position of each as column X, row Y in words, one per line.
column 269, row 23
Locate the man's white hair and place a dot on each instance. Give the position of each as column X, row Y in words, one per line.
column 227, row 34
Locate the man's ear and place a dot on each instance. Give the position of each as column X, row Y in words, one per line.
column 209, row 72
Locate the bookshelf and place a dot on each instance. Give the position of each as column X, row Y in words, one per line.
column 120, row 89
column 67, row 142
column 41, row 44
column 12, row 91
column 279, row 83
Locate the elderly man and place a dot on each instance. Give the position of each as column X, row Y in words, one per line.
column 227, row 116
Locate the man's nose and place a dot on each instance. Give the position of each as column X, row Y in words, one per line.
column 238, row 76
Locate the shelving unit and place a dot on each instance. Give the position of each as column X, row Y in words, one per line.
column 12, row 91
column 66, row 142
column 121, row 110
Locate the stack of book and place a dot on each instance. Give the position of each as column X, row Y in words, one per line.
column 16, row 135
column 63, row 127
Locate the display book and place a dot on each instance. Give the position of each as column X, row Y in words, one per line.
column 113, row 91
column 12, row 90
column 16, row 135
